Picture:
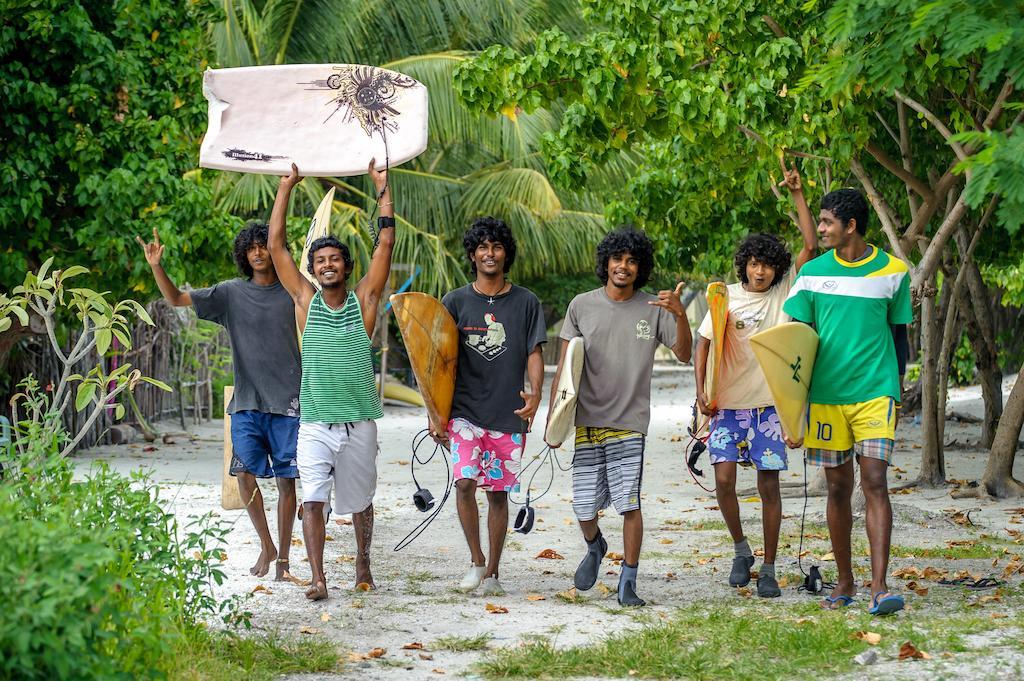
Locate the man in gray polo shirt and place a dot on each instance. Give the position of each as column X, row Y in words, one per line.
column 621, row 327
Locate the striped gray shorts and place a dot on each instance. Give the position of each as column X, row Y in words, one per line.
column 607, row 469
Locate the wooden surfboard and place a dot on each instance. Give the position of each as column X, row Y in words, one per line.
column 786, row 354
column 432, row 341
column 718, row 308
column 319, row 227
column 230, row 497
column 328, row 119
column 562, row 416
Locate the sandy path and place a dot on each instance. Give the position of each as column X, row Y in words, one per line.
column 416, row 601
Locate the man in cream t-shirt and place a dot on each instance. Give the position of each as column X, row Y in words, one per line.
column 744, row 427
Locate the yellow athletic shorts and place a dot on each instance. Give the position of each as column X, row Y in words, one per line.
column 839, row 426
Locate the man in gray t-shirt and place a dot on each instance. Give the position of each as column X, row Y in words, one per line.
column 621, row 328
column 260, row 319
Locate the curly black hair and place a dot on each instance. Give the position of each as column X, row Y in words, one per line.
column 330, row 242
column 848, row 204
column 493, row 230
column 767, row 248
column 622, row 240
column 250, row 235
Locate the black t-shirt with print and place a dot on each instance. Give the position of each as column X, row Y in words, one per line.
column 496, row 336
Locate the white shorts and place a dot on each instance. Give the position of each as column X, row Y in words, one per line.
column 344, row 454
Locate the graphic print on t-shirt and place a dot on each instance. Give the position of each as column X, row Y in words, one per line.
column 488, row 340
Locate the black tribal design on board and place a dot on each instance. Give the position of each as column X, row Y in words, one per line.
column 366, row 94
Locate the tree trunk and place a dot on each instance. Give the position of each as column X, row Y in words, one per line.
column 981, row 331
column 933, row 465
column 998, row 478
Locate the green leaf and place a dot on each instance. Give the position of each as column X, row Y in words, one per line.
column 119, row 412
column 86, row 391
column 159, row 384
column 72, row 271
column 21, row 314
column 139, row 310
column 44, row 269
column 103, row 337
column 5, row 324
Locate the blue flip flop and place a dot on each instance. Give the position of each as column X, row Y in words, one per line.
column 889, row 605
column 841, row 600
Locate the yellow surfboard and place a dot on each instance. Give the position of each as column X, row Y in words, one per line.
column 319, row 227
column 718, row 308
column 432, row 341
column 786, row 354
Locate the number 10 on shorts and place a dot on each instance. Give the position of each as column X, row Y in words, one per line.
column 824, row 431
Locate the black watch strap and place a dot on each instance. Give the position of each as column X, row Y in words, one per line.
column 383, row 222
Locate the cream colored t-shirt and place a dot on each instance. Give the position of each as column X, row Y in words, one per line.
column 743, row 385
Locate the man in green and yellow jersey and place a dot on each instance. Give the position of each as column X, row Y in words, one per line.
column 858, row 298
column 338, row 400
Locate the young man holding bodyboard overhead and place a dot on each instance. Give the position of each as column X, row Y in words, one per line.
column 621, row 327
column 501, row 331
column 259, row 317
column 858, row 299
column 744, row 427
column 339, row 402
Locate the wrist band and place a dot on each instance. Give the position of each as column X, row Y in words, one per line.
column 383, row 222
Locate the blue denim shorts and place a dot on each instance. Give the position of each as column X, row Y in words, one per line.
column 264, row 444
column 748, row 437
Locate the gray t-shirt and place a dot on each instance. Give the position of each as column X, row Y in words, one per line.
column 619, row 340
column 496, row 336
column 264, row 347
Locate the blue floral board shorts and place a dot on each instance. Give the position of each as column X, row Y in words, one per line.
column 748, row 437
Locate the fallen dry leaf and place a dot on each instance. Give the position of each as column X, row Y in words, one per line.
column 325, row 617
column 415, row 645
column 343, row 521
column 295, row 580
column 671, row 576
column 751, row 500
column 665, row 541
column 356, row 657
column 869, row 637
column 550, row 554
column 363, row 586
column 711, row 508
column 496, row 609
column 998, row 615
column 744, row 592
column 426, row 656
column 535, row 597
column 908, row 651
column 783, row 582
column 437, row 671
column 296, row 541
column 308, row 630
column 377, row 652
column 604, row 589
column 611, row 555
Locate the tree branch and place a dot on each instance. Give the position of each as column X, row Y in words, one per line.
column 909, row 179
column 908, row 163
column 933, row 255
column 997, row 107
column 934, row 120
column 774, row 26
column 885, row 214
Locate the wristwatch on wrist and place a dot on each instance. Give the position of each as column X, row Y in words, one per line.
column 383, row 222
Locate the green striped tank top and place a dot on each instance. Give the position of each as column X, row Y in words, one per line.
column 338, row 384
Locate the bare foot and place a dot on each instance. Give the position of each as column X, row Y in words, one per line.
column 317, row 592
column 363, row 576
column 282, row 570
column 262, row 566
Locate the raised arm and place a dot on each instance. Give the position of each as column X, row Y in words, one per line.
column 154, row 251
column 371, row 286
column 297, row 285
column 670, row 300
column 791, row 178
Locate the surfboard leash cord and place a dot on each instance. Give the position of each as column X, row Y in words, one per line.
column 814, row 583
column 423, row 500
column 549, row 456
column 374, row 232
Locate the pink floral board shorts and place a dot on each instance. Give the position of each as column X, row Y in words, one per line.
column 490, row 457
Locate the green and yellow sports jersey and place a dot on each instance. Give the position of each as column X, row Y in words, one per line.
column 852, row 305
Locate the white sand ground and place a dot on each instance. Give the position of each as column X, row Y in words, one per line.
column 416, row 601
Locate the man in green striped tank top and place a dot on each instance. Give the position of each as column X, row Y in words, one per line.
column 338, row 397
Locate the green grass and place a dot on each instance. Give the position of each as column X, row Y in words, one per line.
column 461, row 644
column 755, row 641
column 979, row 551
column 217, row 656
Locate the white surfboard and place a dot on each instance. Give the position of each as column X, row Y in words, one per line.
column 562, row 416
column 328, row 119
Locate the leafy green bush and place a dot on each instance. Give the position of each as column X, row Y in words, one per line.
column 97, row 581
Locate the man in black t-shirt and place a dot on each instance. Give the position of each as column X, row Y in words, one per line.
column 501, row 330
column 260, row 318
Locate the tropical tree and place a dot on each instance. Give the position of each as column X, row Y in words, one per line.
column 474, row 165
column 910, row 100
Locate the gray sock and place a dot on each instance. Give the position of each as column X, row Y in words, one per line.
column 767, row 569
column 743, row 548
